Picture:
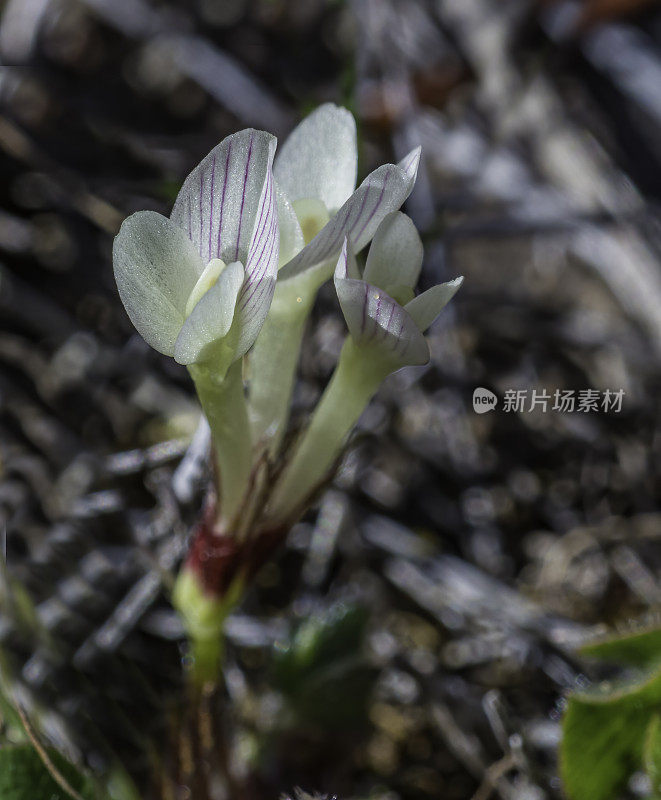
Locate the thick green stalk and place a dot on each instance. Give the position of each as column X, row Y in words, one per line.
column 224, row 406
column 204, row 617
column 273, row 362
column 358, row 374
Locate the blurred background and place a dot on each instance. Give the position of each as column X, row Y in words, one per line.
column 457, row 560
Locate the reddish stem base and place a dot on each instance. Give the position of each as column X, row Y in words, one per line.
column 217, row 559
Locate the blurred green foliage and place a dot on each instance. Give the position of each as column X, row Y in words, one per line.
column 613, row 729
column 24, row 776
column 323, row 674
column 639, row 648
column 652, row 755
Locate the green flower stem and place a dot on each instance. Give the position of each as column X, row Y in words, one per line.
column 224, row 406
column 359, row 372
column 204, row 619
column 274, row 359
column 206, row 656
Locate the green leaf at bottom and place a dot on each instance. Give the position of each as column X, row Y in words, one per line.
column 604, row 735
column 23, row 776
column 652, row 754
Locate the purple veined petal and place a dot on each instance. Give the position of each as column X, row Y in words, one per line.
column 347, row 266
column 395, row 255
column 212, row 316
column 375, row 319
column 261, row 268
column 411, row 162
column 382, row 192
column 319, row 157
column 156, row 267
column 424, row 308
column 218, row 204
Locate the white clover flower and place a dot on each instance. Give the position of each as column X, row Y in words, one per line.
column 316, row 174
column 386, row 324
column 198, row 285
column 379, row 307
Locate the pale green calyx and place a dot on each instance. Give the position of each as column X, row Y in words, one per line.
column 171, row 273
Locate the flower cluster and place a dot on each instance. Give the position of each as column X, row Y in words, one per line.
column 226, row 285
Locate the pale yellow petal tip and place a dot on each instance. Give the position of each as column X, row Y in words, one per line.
column 207, row 279
column 312, row 215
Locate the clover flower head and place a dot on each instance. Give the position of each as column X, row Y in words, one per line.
column 200, row 283
column 200, row 286
column 380, row 306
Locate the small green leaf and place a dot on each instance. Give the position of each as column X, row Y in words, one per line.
column 640, row 648
column 323, row 673
column 604, row 734
column 613, row 729
column 10, row 723
column 23, row 776
column 600, row 749
column 318, row 642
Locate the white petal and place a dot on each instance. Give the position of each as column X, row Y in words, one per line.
column 411, row 162
column 206, row 280
column 395, row 255
column 219, row 201
column 347, row 267
column 319, row 157
column 156, row 268
column 382, row 192
column 261, row 269
column 427, row 306
column 211, row 318
column 375, row 319
column 291, row 236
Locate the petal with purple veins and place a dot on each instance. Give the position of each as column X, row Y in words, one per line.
column 261, row 269
column 382, row 192
column 347, row 266
column 219, row 201
column 375, row 319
